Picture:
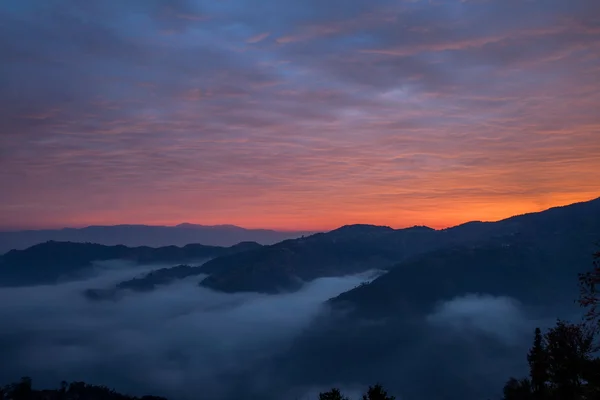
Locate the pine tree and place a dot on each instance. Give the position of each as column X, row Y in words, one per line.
column 538, row 366
column 589, row 298
column 333, row 394
column 516, row 389
column 21, row 390
column 377, row 393
column 569, row 348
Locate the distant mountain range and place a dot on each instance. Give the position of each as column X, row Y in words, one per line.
column 382, row 330
column 146, row 235
column 550, row 238
column 145, row 283
column 47, row 262
column 379, row 331
column 357, row 248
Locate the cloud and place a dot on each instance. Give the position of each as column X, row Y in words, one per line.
column 356, row 111
column 258, row 38
column 182, row 340
column 179, row 341
column 466, row 347
column 500, row 317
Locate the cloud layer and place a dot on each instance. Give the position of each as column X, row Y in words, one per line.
column 183, row 341
column 295, row 114
column 499, row 317
column 180, row 341
column 465, row 348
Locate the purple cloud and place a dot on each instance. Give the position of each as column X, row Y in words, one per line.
column 295, row 115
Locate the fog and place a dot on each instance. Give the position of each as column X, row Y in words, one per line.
column 180, row 341
column 502, row 318
column 465, row 348
column 183, row 341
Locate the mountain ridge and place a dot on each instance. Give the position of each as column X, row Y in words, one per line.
column 357, row 248
column 285, row 265
column 133, row 235
column 46, row 262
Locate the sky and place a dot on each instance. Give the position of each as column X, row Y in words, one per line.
column 294, row 114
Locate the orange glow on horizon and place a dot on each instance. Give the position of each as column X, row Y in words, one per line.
column 444, row 218
column 402, row 114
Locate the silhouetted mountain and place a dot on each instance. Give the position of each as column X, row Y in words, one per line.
column 347, row 250
column 357, row 248
column 144, row 235
column 384, row 331
column 528, row 271
column 146, row 282
column 574, row 217
column 159, row 277
column 46, row 262
column 532, row 260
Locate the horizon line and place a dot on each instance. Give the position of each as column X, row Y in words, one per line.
column 284, row 230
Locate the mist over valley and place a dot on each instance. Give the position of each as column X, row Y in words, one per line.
column 346, row 308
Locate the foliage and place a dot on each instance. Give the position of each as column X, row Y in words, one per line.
column 377, row 393
column 516, row 389
column 563, row 362
column 23, row 390
column 562, row 366
column 538, row 366
column 333, row 394
column 589, row 283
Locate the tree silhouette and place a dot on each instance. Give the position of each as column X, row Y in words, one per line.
column 516, row 389
column 74, row 391
column 589, row 283
column 569, row 352
column 333, row 394
column 563, row 362
column 21, row 390
column 562, row 366
column 377, row 393
column 82, row 391
column 538, row 366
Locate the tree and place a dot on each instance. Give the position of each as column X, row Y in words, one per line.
column 562, row 366
column 562, row 362
column 589, row 283
column 333, row 394
column 19, row 391
column 516, row 389
column 538, row 366
column 72, row 391
column 377, row 393
column 569, row 349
